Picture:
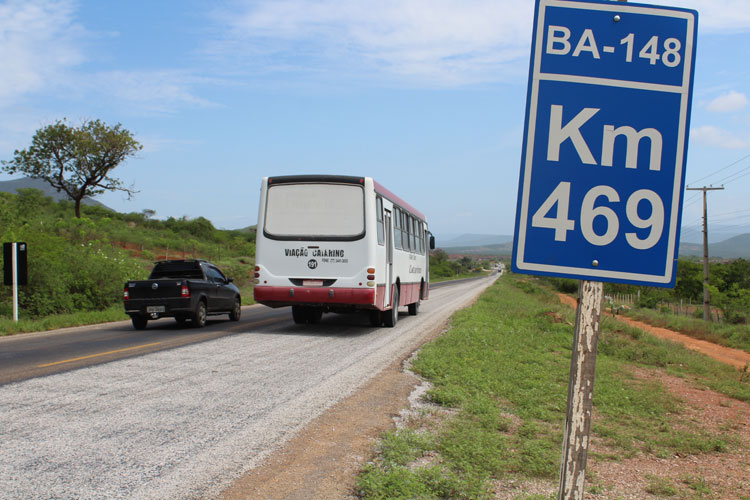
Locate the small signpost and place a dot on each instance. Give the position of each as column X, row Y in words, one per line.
column 602, row 169
column 15, row 270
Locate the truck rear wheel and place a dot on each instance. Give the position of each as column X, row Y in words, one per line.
column 198, row 318
column 139, row 322
column 236, row 310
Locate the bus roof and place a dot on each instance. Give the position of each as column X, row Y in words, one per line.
column 346, row 179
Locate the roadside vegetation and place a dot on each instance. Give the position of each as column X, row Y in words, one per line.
column 499, row 379
column 681, row 308
column 77, row 266
column 443, row 268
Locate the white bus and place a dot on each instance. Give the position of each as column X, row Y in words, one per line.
column 331, row 243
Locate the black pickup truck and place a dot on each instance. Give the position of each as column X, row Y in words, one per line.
column 182, row 289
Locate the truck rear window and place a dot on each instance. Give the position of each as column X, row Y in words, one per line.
column 177, row 270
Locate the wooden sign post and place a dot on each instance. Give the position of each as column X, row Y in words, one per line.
column 581, row 390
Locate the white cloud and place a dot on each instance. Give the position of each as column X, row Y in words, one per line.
column 443, row 42
column 709, row 135
column 161, row 91
column 438, row 41
column 719, row 16
column 728, row 102
column 38, row 43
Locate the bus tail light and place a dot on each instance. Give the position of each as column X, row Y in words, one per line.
column 185, row 291
column 370, row 273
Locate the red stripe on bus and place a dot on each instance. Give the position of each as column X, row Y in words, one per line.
column 380, row 189
column 280, row 295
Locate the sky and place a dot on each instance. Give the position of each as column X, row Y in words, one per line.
column 426, row 96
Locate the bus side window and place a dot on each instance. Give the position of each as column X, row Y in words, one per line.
column 420, row 237
column 413, row 229
column 381, row 226
column 397, row 228
column 405, row 230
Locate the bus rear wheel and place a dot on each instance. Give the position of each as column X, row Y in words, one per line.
column 390, row 318
column 376, row 318
column 299, row 314
column 314, row 315
column 306, row 315
column 414, row 308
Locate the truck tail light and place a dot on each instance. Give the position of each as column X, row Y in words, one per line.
column 126, row 294
column 185, row 291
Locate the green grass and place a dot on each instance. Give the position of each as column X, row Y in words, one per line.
column 660, row 486
column 115, row 313
column 504, row 366
column 9, row 327
column 438, row 279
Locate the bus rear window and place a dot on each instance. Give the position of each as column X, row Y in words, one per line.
column 315, row 210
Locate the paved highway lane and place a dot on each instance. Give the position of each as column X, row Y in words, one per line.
column 31, row 355
column 183, row 422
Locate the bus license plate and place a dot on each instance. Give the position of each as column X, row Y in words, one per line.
column 312, row 282
column 155, row 309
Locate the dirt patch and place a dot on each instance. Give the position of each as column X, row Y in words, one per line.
column 708, row 475
column 735, row 357
column 723, row 476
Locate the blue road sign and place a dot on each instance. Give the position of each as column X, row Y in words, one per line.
column 605, row 141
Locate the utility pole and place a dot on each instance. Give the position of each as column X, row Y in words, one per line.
column 706, row 296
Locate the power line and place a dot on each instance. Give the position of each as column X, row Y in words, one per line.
column 732, row 180
column 720, row 170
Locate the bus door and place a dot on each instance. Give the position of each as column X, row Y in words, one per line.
column 388, row 259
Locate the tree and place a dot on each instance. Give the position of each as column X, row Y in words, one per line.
column 76, row 161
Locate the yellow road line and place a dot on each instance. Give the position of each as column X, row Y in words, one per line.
column 97, row 355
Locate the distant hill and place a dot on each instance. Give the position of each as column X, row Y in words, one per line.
column 472, row 240
column 733, row 248
column 26, row 183
column 501, row 250
column 716, row 232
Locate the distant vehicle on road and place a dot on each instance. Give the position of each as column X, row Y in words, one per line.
column 330, row 243
column 187, row 290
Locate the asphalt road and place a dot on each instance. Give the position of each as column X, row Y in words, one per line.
column 32, row 355
column 182, row 413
